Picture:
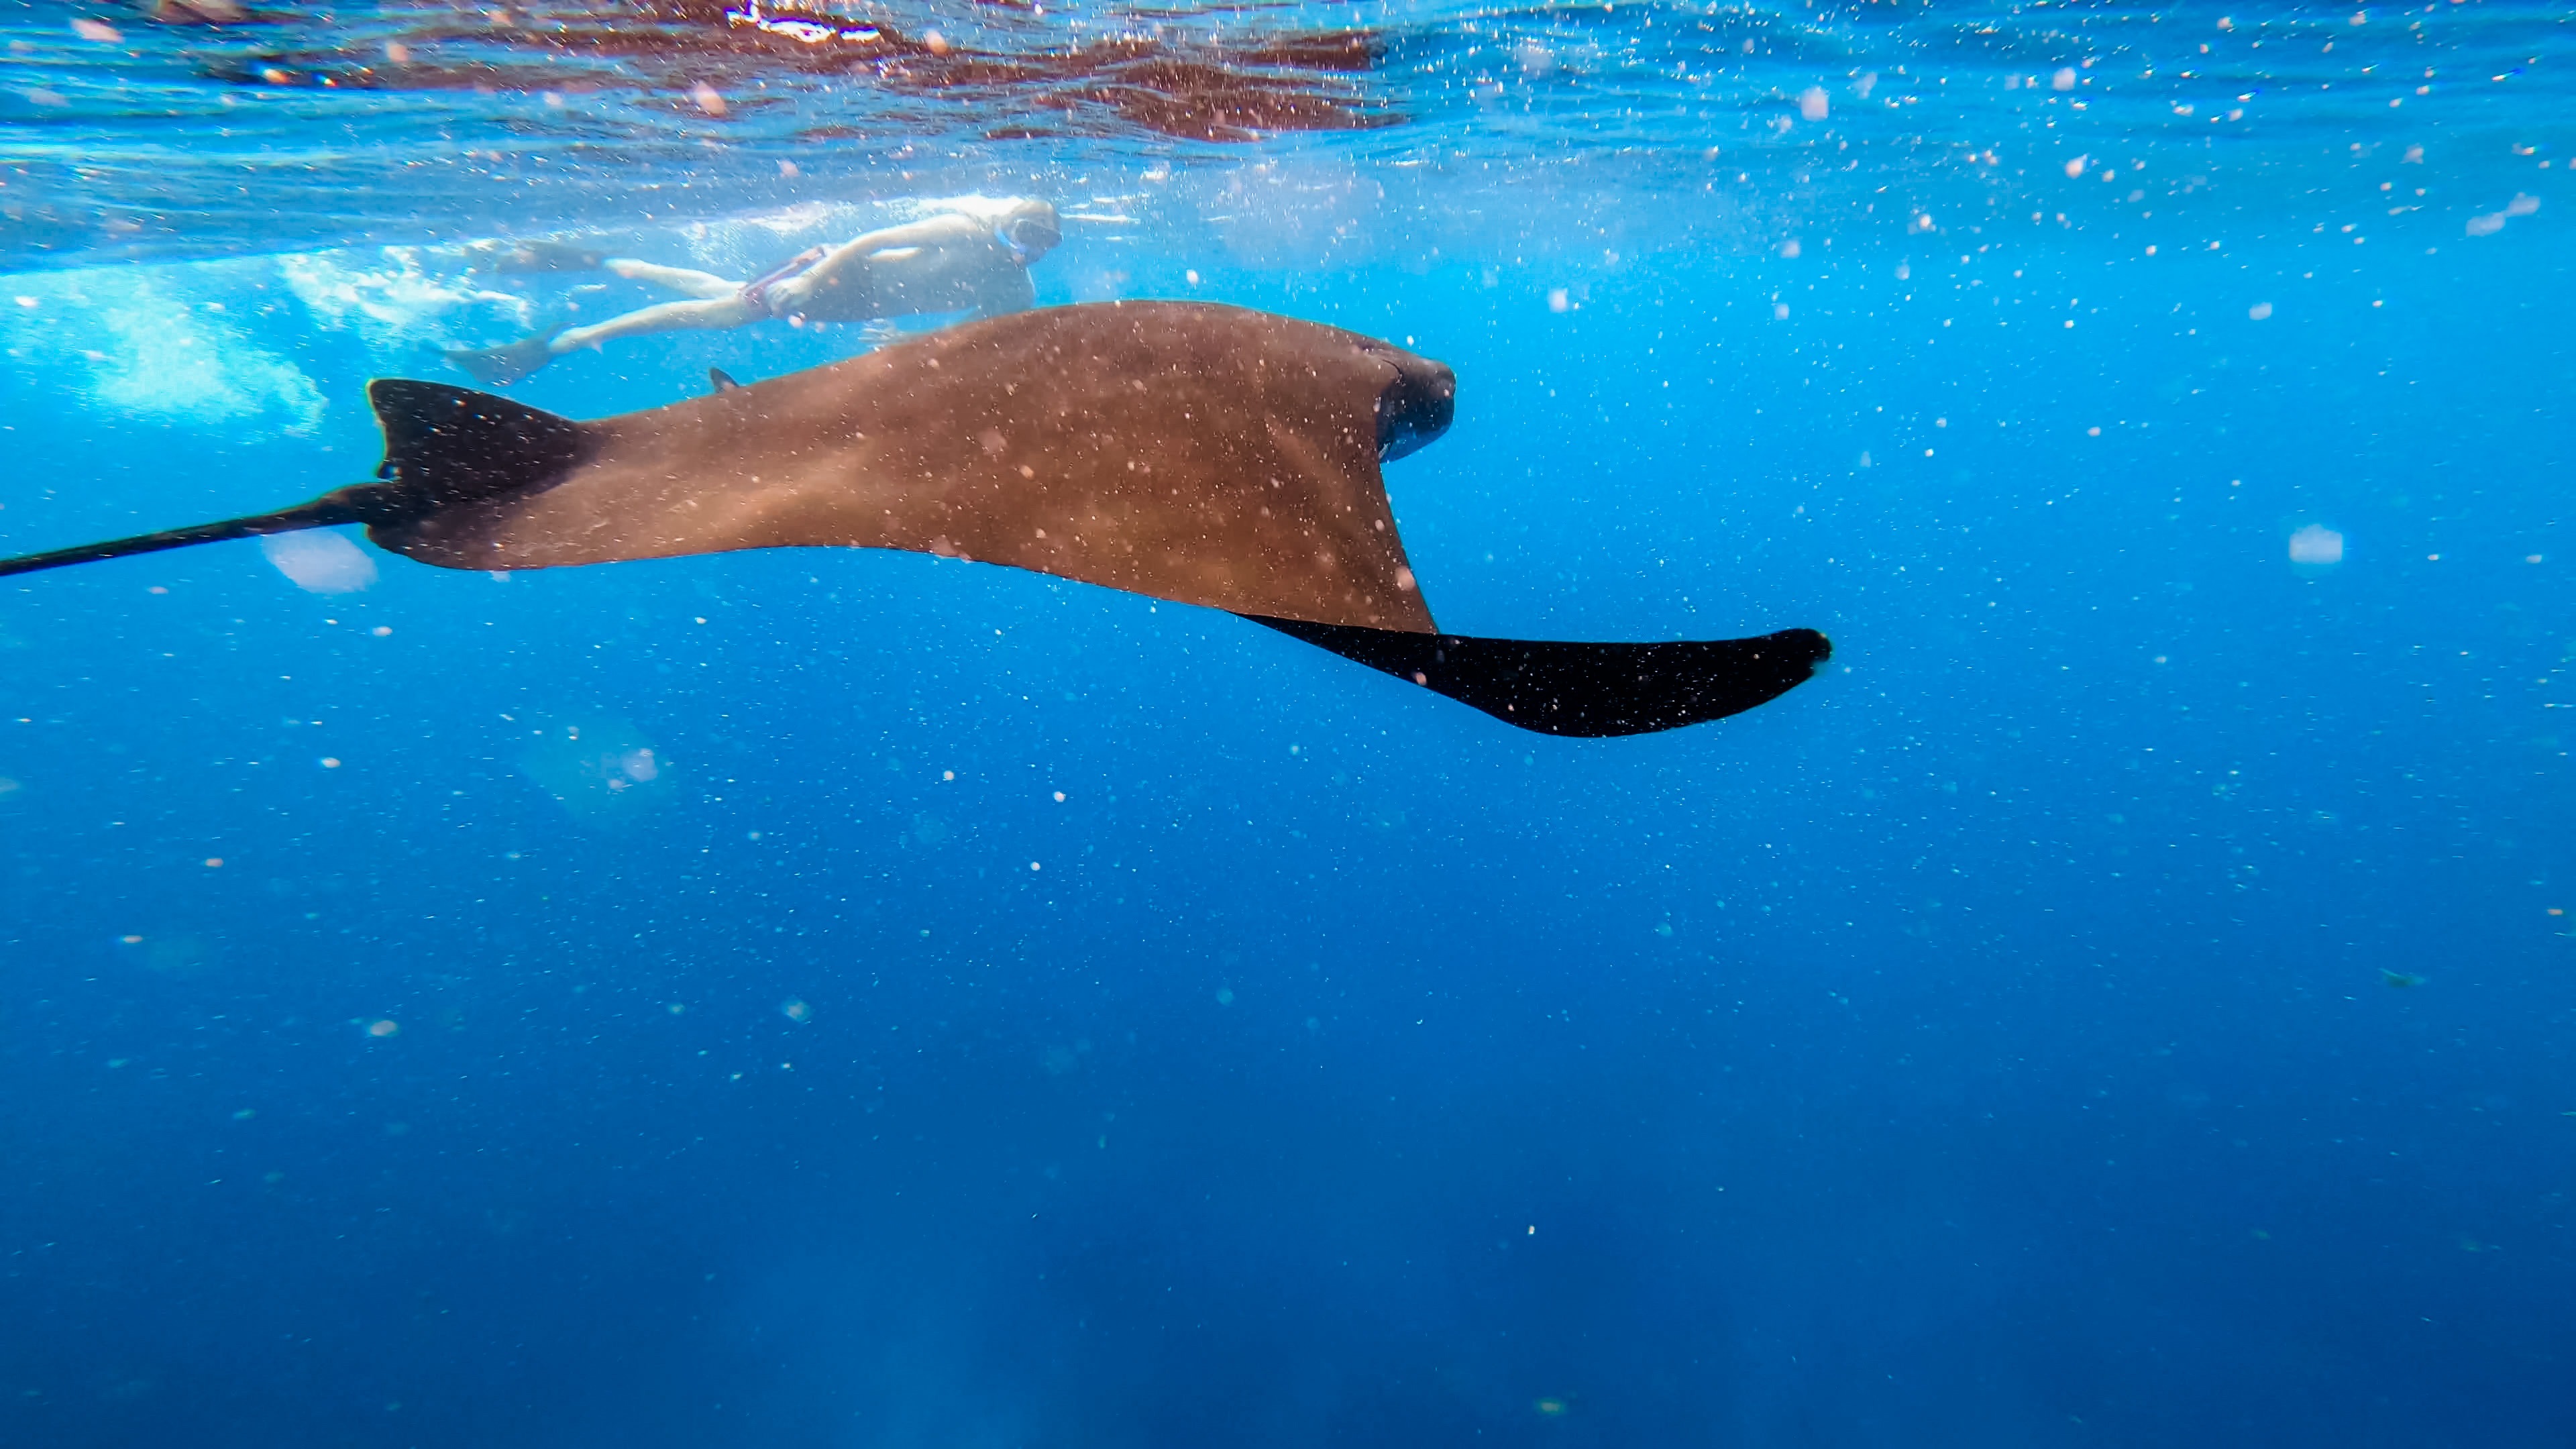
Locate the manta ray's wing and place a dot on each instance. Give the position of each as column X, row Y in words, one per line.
column 1197, row 454
column 1559, row 687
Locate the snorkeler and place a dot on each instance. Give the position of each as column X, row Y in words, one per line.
column 973, row 256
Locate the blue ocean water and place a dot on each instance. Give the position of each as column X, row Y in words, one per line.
column 849, row 998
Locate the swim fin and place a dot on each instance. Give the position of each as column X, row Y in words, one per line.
column 1590, row 690
column 550, row 256
column 508, row 363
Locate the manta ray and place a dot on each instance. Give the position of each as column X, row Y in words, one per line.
column 1200, row 454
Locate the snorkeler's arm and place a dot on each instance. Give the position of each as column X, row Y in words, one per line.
column 930, row 232
column 890, row 246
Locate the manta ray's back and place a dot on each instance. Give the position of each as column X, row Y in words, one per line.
column 1205, row 455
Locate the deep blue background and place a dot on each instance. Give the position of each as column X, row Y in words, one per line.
column 1989, row 1042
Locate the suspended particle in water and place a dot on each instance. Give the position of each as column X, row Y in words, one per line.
column 319, row 562
column 2316, row 545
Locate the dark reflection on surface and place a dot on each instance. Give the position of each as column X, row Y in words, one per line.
column 708, row 58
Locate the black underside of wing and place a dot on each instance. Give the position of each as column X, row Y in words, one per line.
column 1563, row 688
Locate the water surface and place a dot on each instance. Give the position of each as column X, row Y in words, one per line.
column 848, row 998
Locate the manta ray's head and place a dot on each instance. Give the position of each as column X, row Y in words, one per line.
column 1415, row 407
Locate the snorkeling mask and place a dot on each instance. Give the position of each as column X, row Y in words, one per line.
column 1007, row 234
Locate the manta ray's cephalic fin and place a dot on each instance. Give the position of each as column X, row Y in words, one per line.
column 443, row 446
column 1593, row 690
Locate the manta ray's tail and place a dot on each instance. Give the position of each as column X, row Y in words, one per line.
column 443, row 446
column 1563, row 688
column 320, row 513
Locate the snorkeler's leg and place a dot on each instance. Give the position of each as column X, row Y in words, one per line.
column 713, row 314
column 687, row 281
column 501, row 366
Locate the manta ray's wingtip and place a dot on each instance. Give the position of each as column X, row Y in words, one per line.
column 1811, row 642
column 1588, row 690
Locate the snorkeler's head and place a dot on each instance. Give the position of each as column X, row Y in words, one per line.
column 1028, row 228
